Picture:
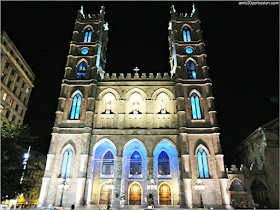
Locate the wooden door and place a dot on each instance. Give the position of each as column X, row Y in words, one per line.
column 135, row 194
column 104, row 195
column 164, row 195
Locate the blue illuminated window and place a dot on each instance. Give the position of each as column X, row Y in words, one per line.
column 186, row 34
column 202, row 163
column 75, row 112
column 196, row 111
column 88, row 34
column 84, row 51
column 163, row 164
column 191, row 70
column 135, row 163
column 67, row 163
column 189, row 50
column 82, row 70
column 108, row 163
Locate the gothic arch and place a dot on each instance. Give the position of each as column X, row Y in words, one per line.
column 75, row 93
column 68, row 144
column 191, row 59
column 163, row 90
column 196, row 92
column 135, row 90
column 135, row 182
column 80, row 61
column 169, row 141
column 184, row 25
column 201, row 144
column 171, row 191
column 97, row 144
column 239, row 180
column 108, row 90
column 137, row 140
column 88, row 26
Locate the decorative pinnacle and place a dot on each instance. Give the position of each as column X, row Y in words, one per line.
column 173, row 8
column 82, row 10
column 106, row 26
column 193, row 9
column 136, row 69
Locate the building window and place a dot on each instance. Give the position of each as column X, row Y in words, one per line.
column 24, row 100
column 13, row 118
column 9, row 84
column 108, row 163
column 17, row 60
column 67, row 163
column 19, row 95
column 191, row 70
column 5, row 95
column 7, row 65
column 82, row 70
column 202, row 163
column 196, row 111
column 11, row 52
column 23, row 84
column 15, row 90
column 135, row 163
column 88, row 34
column 4, row 43
column 13, row 72
column 163, row 164
column 75, row 112
column 16, row 108
column 7, row 113
column 11, row 102
column 186, row 34
column 21, row 112
column 18, row 78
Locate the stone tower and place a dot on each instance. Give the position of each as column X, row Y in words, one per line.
column 135, row 139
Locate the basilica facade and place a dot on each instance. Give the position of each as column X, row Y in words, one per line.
column 135, row 139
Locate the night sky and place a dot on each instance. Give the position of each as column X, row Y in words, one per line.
column 242, row 47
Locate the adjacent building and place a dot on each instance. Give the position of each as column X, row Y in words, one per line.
column 17, row 81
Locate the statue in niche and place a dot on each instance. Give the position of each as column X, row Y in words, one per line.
column 163, row 110
column 108, row 106
column 135, row 107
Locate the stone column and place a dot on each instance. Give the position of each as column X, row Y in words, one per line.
column 44, row 192
column 117, row 190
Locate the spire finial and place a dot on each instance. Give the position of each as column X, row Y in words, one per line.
column 193, row 9
column 82, row 10
column 136, row 69
column 173, row 8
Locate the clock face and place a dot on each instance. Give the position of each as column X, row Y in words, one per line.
column 84, row 51
column 189, row 50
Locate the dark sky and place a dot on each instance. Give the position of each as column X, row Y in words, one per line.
column 242, row 47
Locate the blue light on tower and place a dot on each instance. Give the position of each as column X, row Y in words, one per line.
column 84, row 51
column 189, row 50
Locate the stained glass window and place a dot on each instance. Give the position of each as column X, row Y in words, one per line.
column 196, row 111
column 82, row 70
column 76, row 104
column 191, row 70
column 186, row 34
column 108, row 163
column 88, row 34
column 202, row 163
column 67, row 163
column 163, row 164
column 135, row 163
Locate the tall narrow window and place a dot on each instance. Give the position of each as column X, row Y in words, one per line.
column 163, row 164
column 67, row 163
column 108, row 163
column 75, row 112
column 202, row 163
column 82, row 70
column 135, row 163
column 196, row 111
column 186, row 34
column 88, row 34
column 191, row 70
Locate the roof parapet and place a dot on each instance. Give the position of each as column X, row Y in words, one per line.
column 136, row 76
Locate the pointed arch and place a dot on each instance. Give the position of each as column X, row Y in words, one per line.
column 233, row 183
column 260, row 193
column 165, row 194
column 76, row 106
column 164, row 141
column 137, row 141
column 135, row 163
column 135, row 195
column 202, row 161
column 108, row 90
column 107, row 144
column 75, row 93
column 88, row 34
column 186, row 33
column 163, row 163
column 191, row 69
column 195, row 106
column 108, row 162
column 135, row 90
column 162, row 90
column 66, row 162
column 67, row 144
column 81, row 73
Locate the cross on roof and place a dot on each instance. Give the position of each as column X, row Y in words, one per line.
column 136, row 69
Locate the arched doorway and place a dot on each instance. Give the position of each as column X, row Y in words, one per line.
column 259, row 193
column 104, row 193
column 238, row 195
column 135, row 194
column 164, row 195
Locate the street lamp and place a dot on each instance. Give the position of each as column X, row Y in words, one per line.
column 63, row 185
column 199, row 186
column 109, row 186
column 151, row 187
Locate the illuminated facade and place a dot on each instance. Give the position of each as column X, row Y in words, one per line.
column 116, row 134
column 17, row 81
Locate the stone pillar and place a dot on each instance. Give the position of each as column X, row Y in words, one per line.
column 117, row 190
column 44, row 192
column 225, row 193
column 80, row 191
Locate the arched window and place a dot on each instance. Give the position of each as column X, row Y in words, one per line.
column 108, row 163
column 76, row 104
column 191, row 70
column 88, row 34
column 67, row 163
column 196, row 111
column 163, row 164
column 202, row 163
column 82, row 70
column 135, row 163
column 186, row 34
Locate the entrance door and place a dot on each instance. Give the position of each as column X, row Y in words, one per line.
column 164, row 195
column 135, row 194
column 104, row 193
column 260, row 195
